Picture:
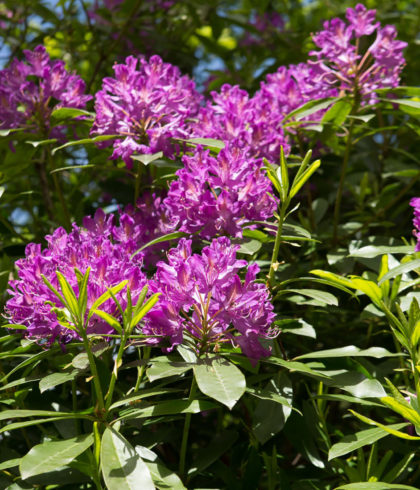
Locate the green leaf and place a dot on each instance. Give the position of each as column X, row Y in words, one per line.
column 394, row 432
column 159, row 370
column 310, row 108
column 10, row 463
column 405, row 411
column 162, row 477
column 106, row 296
column 72, row 167
column 301, row 180
column 68, row 294
column 150, row 303
column 338, row 113
column 363, row 438
column 13, row 414
column 250, row 247
column 355, row 383
column 131, row 399
column 321, row 296
column 371, row 251
column 270, row 416
column 122, row 467
column 296, row 326
column 375, row 486
column 299, row 367
column 88, row 141
column 401, row 269
column 64, row 113
column 27, row 423
column 51, row 455
column 164, row 238
column 168, row 408
column 349, row 350
column 219, row 379
column 146, row 158
column 112, row 321
column 55, row 379
column 283, row 176
column 209, row 142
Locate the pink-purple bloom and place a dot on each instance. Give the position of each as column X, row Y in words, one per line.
column 218, row 195
column 340, row 63
column 104, row 247
column 203, row 300
column 30, row 90
column 147, row 103
column 415, row 203
column 248, row 123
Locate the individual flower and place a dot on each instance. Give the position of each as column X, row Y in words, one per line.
column 340, row 62
column 248, row 123
column 147, row 104
column 218, row 195
column 104, row 247
column 204, row 300
column 415, row 203
column 30, row 90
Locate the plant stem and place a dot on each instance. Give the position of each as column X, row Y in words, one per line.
column 185, row 432
column 274, row 263
column 94, row 371
column 138, row 182
column 341, row 183
column 142, row 368
column 108, row 396
column 97, row 455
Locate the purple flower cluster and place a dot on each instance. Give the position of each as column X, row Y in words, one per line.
column 244, row 122
column 29, row 91
column 146, row 105
column 204, row 299
column 340, row 63
column 104, row 247
column 217, row 195
column 415, row 203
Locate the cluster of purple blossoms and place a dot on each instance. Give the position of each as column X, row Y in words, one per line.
column 232, row 116
column 340, row 63
column 29, row 91
column 217, row 195
column 146, row 105
column 204, row 299
column 104, row 247
column 415, row 203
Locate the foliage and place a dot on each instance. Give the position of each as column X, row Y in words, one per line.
column 208, row 274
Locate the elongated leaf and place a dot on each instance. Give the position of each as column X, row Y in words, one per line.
column 401, row 269
column 150, row 303
column 299, row 367
column 378, row 485
column 209, row 142
column 363, row 438
column 298, row 183
column 112, row 321
column 168, row 408
column 164, row 238
column 147, row 158
column 106, row 296
column 56, row 379
column 27, row 423
column 51, row 455
column 394, row 432
column 162, row 477
column 88, row 141
column 122, row 467
column 349, row 350
column 137, row 397
column 337, row 113
column 64, row 113
column 321, row 296
column 15, row 414
column 219, row 379
column 310, row 108
column 371, row 251
column 356, row 384
column 405, row 411
column 10, row 463
column 159, row 370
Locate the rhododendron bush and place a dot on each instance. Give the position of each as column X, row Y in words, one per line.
column 210, row 245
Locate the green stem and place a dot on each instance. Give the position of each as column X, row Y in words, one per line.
column 185, row 432
column 142, row 368
column 340, row 189
column 97, row 455
column 108, row 396
column 94, row 371
column 276, row 249
column 138, row 182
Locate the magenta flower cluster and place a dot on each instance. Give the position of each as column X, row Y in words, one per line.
column 104, row 247
column 204, row 300
column 147, row 105
column 29, row 91
column 218, row 195
column 340, row 63
column 415, row 203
